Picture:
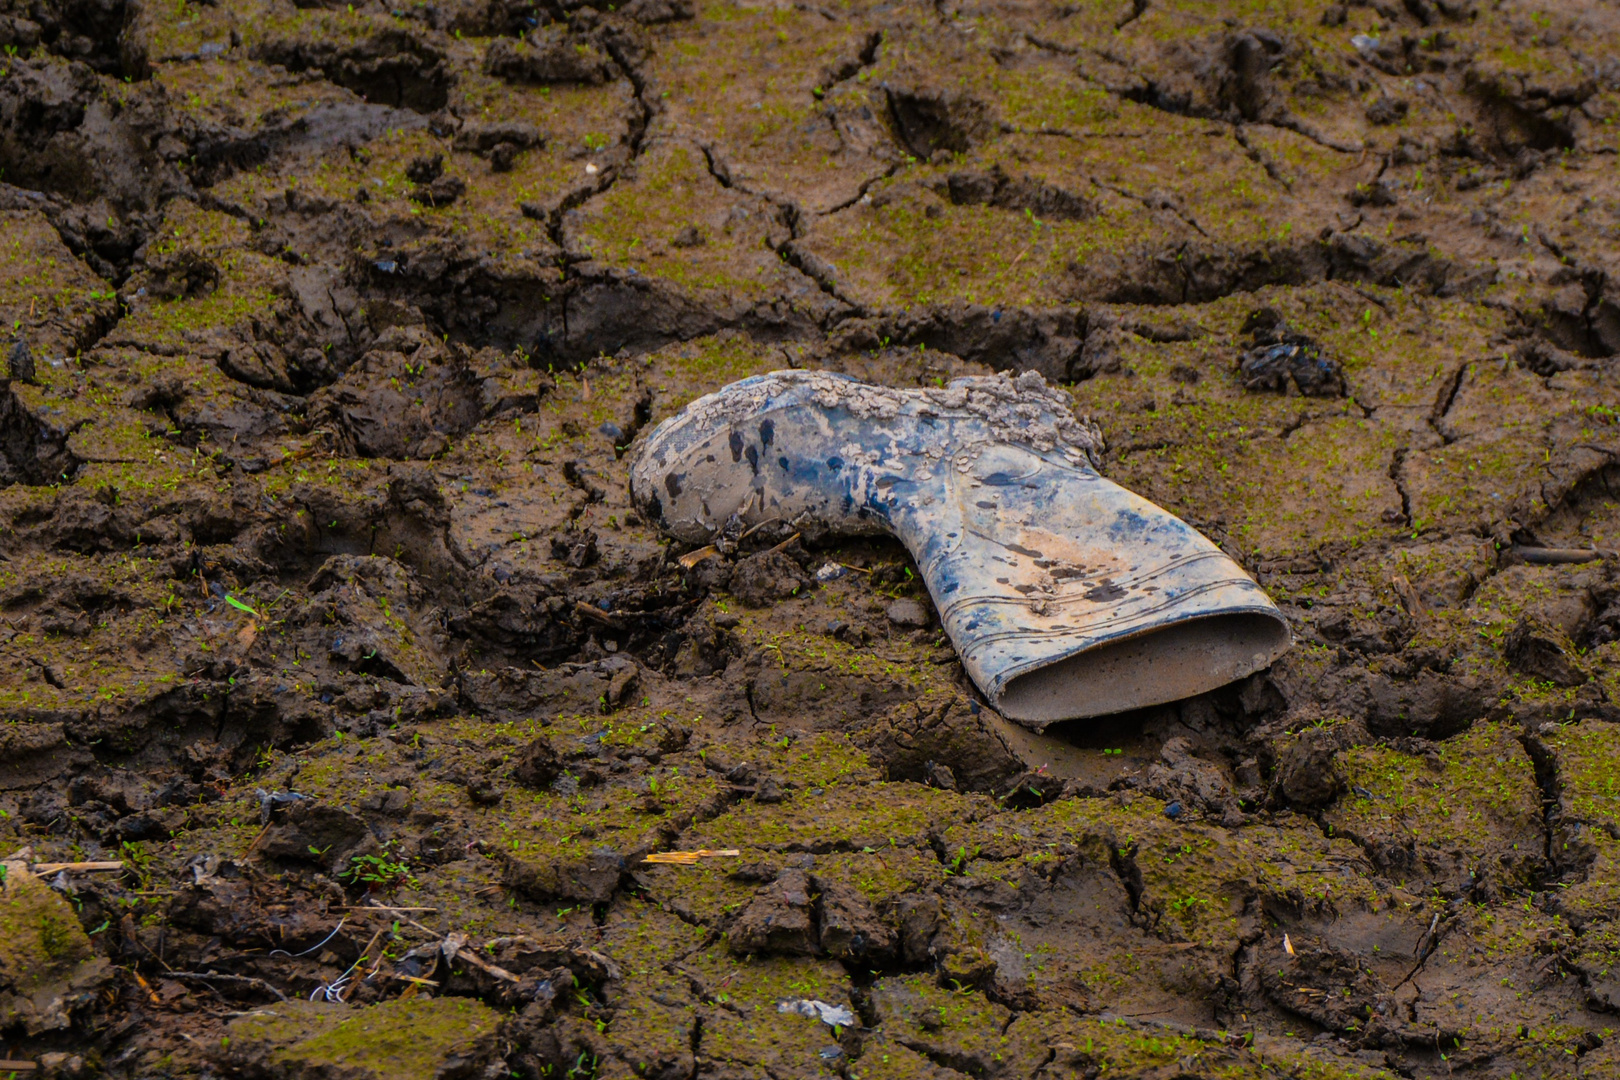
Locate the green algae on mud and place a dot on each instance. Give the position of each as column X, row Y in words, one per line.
column 418, row 1039
column 48, row 970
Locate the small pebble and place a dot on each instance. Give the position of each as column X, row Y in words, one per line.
column 908, row 613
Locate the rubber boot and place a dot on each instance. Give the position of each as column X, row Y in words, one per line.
column 1065, row 595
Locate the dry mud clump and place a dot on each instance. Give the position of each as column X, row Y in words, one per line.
column 324, row 609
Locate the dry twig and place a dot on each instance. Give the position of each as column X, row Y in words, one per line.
column 692, row 558
column 210, row 976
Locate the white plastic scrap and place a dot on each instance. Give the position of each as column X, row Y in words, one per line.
column 1365, row 44
column 831, row 572
column 831, row 1015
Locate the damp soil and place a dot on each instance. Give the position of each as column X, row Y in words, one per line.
column 324, row 611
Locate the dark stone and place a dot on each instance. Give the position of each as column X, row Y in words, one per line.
column 20, row 361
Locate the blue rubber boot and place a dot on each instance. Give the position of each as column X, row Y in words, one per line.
column 1065, row 595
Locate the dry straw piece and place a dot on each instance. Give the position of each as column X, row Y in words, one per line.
column 687, row 858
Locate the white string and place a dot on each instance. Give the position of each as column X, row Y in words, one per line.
column 317, row 945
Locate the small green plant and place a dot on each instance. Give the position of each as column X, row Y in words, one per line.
column 139, row 860
column 378, row 870
column 960, row 860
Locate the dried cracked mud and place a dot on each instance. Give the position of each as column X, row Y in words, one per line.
column 324, row 609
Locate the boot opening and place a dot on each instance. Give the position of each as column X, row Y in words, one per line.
column 1151, row 668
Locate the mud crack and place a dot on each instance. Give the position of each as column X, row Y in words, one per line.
column 1260, row 157
column 1137, row 10
column 1545, row 763
column 1444, row 399
column 1151, row 202
column 791, row 215
column 864, row 58
column 1396, row 476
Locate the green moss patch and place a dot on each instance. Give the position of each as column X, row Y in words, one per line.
column 1473, row 809
column 414, row 1039
column 47, row 967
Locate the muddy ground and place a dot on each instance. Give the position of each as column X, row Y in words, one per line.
column 328, row 329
